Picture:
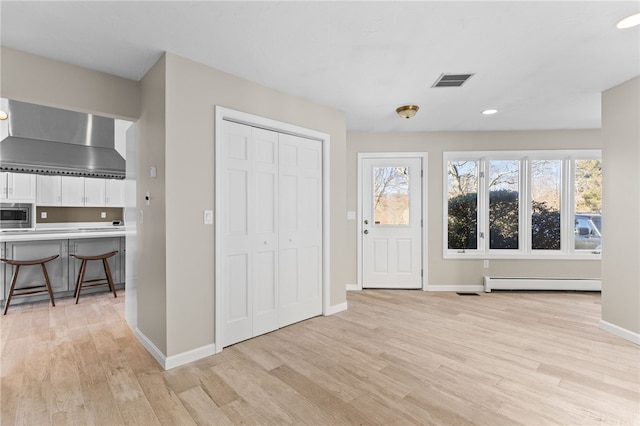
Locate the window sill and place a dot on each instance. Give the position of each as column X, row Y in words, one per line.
column 523, row 256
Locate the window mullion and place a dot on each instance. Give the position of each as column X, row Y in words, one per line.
column 525, row 206
column 568, row 206
column 483, row 207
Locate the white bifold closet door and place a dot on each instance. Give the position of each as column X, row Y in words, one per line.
column 271, row 230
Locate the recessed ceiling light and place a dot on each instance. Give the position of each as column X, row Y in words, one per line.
column 629, row 21
column 3, row 115
column 489, row 111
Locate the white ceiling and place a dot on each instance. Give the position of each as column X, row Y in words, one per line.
column 542, row 64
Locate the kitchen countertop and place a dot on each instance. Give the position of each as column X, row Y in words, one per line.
column 63, row 233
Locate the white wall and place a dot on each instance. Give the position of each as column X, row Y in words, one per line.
column 453, row 272
column 621, row 208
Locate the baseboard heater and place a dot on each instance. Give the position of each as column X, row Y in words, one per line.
column 524, row 283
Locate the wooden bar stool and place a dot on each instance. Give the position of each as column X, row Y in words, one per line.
column 107, row 280
column 34, row 289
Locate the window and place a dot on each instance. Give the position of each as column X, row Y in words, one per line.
column 462, row 205
column 545, row 204
column 391, row 195
column 523, row 204
column 504, row 204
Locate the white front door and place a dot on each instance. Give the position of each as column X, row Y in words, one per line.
column 391, row 227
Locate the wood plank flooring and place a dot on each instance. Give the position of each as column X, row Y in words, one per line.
column 394, row 358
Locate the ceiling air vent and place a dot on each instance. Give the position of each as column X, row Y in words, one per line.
column 451, row 80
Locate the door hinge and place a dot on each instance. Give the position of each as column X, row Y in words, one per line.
column 421, row 223
column 481, row 174
column 422, row 272
column 421, row 173
column 482, row 235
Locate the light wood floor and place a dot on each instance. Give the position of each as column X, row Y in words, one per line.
column 395, row 357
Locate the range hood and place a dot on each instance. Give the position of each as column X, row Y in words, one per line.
column 45, row 140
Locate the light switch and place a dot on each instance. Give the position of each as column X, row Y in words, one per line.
column 43, row 215
column 208, row 217
column 153, row 171
column 103, row 215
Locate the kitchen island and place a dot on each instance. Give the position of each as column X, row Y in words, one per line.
column 86, row 239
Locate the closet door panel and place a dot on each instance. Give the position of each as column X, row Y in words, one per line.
column 265, row 238
column 238, row 256
column 300, row 228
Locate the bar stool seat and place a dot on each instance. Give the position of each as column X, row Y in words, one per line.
column 34, row 289
column 107, row 280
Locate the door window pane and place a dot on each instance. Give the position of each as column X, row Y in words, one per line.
column 462, row 221
column 545, row 204
column 391, row 195
column 503, row 204
column 588, row 205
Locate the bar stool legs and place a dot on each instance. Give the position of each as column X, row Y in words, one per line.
column 107, row 280
column 35, row 289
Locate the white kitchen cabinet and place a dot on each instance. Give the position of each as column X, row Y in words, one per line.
column 48, row 190
column 17, row 186
column 114, row 192
column 94, row 192
column 79, row 191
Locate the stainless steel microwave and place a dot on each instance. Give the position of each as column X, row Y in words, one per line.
column 16, row 215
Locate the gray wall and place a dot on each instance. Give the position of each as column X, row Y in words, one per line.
column 442, row 271
column 184, row 246
column 621, row 205
column 34, row 79
column 152, row 224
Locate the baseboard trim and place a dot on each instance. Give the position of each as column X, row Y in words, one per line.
column 190, row 356
column 174, row 361
column 150, row 347
column 454, row 288
column 353, row 287
column 620, row 332
column 336, row 308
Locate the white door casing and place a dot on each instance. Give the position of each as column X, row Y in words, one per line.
column 392, row 212
column 271, row 231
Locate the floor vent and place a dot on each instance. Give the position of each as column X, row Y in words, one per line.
column 467, row 294
column 451, row 80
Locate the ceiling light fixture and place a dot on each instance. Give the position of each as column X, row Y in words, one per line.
column 407, row 111
column 629, row 21
column 3, row 115
column 489, row 111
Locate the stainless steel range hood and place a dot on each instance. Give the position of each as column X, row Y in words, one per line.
column 45, row 140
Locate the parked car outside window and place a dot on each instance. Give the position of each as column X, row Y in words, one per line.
column 588, row 231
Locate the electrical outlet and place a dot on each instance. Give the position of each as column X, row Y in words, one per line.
column 103, row 215
column 485, row 264
column 43, row 215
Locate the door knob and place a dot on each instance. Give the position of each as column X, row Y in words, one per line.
column 366, row 221
column 366, row 231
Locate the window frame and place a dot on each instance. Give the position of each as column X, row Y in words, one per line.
column 525, row 157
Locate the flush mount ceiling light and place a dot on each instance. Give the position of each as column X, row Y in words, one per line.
column 629, row 21
column 489, row 111
column 407, row 111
